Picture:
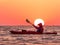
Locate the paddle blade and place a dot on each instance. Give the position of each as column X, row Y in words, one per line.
column 27, row 21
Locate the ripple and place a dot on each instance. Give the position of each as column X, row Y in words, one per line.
column 28, row 39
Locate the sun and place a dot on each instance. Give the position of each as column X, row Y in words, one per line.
column 37, row 21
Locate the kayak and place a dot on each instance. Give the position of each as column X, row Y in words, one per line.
column 30, row 32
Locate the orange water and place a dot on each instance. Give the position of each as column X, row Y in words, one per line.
column 6, row 38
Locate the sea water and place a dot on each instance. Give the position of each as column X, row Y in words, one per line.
column 6, row 38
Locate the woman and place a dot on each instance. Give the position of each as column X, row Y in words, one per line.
column 39, row 28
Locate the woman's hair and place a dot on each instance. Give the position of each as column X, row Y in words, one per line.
column 40, row 24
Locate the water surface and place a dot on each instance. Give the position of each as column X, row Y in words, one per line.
column 6, row 38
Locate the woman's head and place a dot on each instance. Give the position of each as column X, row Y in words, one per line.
column 40, row 24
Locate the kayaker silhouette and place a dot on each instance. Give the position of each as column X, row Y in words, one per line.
column 39, row 28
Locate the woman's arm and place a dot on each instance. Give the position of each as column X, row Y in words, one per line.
column 34, row 26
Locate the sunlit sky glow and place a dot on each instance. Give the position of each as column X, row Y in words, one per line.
column 14, row 12
column 38, row 21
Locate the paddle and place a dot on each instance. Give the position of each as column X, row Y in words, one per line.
column 28, row 21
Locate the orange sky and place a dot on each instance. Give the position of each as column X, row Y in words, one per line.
column 14, row 12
